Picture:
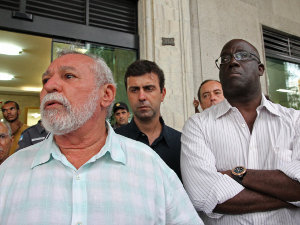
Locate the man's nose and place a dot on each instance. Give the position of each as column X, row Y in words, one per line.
column 233, row 61
column 142, row 96
column 213, row 97
column 53, row 84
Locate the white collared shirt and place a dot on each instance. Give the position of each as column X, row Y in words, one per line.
column 219, row 139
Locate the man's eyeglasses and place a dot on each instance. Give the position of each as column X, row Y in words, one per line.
column 239, row 56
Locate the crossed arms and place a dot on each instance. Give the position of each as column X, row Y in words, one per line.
column 264, row 190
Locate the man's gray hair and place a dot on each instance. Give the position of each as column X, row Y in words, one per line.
column 102, row 72
column 8, row 128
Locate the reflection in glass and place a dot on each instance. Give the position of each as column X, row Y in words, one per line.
column 284, row 82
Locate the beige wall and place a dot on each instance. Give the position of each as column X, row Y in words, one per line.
column 200, row 29
column 23, row 101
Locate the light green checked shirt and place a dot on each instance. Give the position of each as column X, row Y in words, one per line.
column 126, row 183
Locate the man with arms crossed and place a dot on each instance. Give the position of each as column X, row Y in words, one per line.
column 145, row 86
column 85, row 173
column 209, row 93
column 241, row 158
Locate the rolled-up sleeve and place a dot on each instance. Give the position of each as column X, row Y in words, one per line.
column 206, row 186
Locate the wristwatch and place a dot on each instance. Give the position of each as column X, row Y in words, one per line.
column 238, row 173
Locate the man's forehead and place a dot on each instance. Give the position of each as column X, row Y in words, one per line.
column 238, row 45
column 211, row 86
column 147, row 78
column 8, row 105
column 69, row 62
column 3, row 128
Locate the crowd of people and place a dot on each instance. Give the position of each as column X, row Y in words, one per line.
column 235, row 162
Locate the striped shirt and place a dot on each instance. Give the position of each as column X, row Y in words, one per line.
column 126, row 183
column 218, row 139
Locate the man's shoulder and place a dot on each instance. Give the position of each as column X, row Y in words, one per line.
column 285, row 113
column 21, row 159
column 29, row 129
column 172, row 130
column 125, row 130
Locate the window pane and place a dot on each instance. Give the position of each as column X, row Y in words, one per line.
column 284, row 82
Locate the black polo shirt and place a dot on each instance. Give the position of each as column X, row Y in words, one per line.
column 32, row 135
column 167, row 145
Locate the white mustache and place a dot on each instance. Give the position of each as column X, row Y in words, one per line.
column 55, row 97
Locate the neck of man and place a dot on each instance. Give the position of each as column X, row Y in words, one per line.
column 15, row 126
column 82, row 144
column 152, row 128
column 246, row 100
column 247, row 107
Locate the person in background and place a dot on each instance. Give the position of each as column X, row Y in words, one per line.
column 145, row 86
column 6, row 140
column 121, row 114
column 209, row 93
column 32, row 135
column 85, row 173
column 11, row 112
column 240, row 158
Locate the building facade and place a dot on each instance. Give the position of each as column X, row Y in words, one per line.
column 184, row 37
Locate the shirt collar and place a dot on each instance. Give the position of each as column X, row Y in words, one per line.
column 164, row 133
column 223, row 107
column 49, row 150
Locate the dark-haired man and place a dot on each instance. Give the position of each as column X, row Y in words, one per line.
column 241, row 158
column 11, row 112
column 121, row 114
column 145, row 86
column 209, row 93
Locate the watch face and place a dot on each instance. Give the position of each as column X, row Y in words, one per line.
column 239, row 170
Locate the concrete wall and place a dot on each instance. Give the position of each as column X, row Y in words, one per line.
column 200, row 29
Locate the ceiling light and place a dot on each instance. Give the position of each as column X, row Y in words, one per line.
column 35, row 89
column 285, row 90
column 10, row 49
column 6, row 76
column 36, row 115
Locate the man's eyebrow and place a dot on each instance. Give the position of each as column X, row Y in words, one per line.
column 217, row 89
column 62, row 68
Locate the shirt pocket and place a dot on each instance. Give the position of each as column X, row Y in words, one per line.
column 282, row 156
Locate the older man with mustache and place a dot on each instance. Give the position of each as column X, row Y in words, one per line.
column 85, row 173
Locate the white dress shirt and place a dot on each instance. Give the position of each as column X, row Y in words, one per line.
column 219, row 139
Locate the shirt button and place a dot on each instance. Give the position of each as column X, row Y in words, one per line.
column 79, row 223
column 243, row 125
column 77, row 178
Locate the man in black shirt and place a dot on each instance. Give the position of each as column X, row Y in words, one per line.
column 144, row 82
column 32, row 135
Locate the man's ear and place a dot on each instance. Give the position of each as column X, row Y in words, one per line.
column 163, row 94
column 261, row 69
column 108, row 93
